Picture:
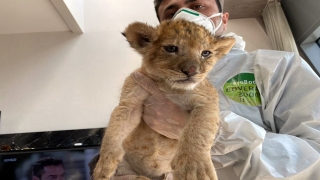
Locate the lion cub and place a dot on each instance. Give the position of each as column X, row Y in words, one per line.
column 177, row 55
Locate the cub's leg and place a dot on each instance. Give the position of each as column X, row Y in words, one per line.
column 193, row 159
column 125, row 117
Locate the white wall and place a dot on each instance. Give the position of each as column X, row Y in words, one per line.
column 252, row 33
column 59, row 81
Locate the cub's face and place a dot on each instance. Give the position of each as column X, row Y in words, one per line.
column 178, row 53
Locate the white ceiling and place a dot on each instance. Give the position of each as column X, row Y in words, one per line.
column 30, row 16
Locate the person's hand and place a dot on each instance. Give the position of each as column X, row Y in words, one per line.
column 161, row 114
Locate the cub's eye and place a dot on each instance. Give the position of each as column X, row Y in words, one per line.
column 205, row 54
column 171, row 49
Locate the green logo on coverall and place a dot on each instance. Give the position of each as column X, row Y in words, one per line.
column 242, row 88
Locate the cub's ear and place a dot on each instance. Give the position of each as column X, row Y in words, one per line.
column 223, row 45
column 140, row 36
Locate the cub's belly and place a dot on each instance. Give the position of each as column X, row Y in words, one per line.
column 148, row 152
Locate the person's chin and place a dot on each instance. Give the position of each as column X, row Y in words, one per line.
column 219, row 32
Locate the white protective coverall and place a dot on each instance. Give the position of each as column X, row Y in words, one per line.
column 270, row 116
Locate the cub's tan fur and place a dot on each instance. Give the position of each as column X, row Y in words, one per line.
column 177, row 55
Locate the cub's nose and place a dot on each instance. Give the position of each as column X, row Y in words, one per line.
column 190, row 71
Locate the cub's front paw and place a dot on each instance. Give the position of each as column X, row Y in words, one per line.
column 101, row 172
column 106, row 166
column 189, row 167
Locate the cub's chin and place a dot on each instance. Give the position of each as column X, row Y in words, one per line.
column 183, row 84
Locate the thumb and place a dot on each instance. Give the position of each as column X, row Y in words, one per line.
column 145, row 82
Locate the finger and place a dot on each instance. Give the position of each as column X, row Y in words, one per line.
column 145, row 82
column 169, row 176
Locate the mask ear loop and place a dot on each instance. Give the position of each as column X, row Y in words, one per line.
column 216, row 15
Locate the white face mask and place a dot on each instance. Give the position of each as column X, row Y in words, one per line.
column 198, row 18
